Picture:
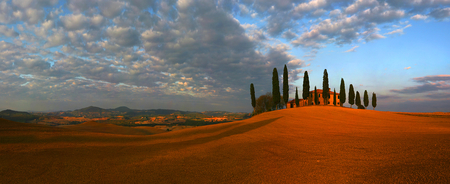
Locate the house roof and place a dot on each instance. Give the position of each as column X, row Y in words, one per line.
column 320, row 90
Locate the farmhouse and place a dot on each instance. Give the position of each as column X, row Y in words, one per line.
column 310, row 99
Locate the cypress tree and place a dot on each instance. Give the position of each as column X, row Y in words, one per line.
column 275, row 88
column 297, row 101
column 252, row 94
column 326, row 88
column 358, row 99
column 316, row 98
column 351, row 96
column 285, row 85
column 342, row 93
column 374, row 100
column 334, row 97
column 366, row 99
column 305, row 94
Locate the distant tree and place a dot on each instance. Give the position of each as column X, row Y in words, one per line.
column 275, row 88
column 297, row 101
column 374, row 100
column 334, row 97
column 325, row 87
column 264, row 103
column 342, row 93
column 351, row 96
column 316, row 98
column 358, row 99
column 305, row 94
column 366, row 99
column 252, row 94
column 285, row 85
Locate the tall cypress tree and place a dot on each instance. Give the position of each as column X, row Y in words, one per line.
column 305, row 94
column 374, row 100
column 342, row 93
column 252, row 94
column 358, row 99
column 366, row 99
column 316, row 98
column 297, row 101
column 351, row 96
column 275, row 88
column 326, row 88
column 334, row 97
column 285, row 85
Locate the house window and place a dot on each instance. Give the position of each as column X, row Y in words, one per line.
column 338, row 96
column 319, row 95
column 328, row 102
column 338, row 103
column 318, row 103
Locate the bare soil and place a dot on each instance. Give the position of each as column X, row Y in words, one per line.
column 301, row 145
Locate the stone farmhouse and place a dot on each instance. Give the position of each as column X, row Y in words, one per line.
column 310, row 99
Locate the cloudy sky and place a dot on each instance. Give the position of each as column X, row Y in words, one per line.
column 203, row 54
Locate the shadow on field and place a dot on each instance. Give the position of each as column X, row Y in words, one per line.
column 235, row 131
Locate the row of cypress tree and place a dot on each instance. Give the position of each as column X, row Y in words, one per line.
column 276, row 97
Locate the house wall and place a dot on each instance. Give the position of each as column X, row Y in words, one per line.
column 310, row 100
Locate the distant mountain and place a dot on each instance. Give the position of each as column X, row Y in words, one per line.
column 18, row 116
column 90, row 109
column 122, row 109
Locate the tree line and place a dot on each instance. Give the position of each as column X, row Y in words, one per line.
column 274, row 100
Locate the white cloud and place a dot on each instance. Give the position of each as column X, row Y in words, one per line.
column 407, row 68
column 419, row 17
column 352, row 49
column 399, row 31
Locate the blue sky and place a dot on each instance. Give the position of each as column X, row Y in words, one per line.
column 202, row 55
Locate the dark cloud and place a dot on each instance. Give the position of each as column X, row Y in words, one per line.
column 439, row 95
column 423, row 88
column 430, row 83
column 432, row 78
column 124, row 36
column 440, row 13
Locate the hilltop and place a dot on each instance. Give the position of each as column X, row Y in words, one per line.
column 313, row 144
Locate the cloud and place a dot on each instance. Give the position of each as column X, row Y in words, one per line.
column 419, row 17
column 57, row 38
column 432, row 78
column 423, row 88
column 74, row 22
column 123, row 36
column 429, row 83
column 111, row 9
column 9, row 32
column 352, row 49
column 407, row 68
column 440, row 13
column 399, row 31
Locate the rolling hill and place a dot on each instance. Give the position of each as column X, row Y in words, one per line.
column 301, row 145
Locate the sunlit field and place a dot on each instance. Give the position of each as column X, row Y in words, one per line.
column 314, row 144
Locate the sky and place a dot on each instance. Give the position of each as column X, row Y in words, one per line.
column 202, row 55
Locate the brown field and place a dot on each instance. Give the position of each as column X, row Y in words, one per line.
column 302, row 145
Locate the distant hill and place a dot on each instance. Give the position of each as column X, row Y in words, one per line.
column 90, row 109
column 18, row 116
column 123, row 109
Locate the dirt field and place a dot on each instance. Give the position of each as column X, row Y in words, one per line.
column 300, row 145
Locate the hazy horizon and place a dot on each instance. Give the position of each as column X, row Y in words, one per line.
column 199, row 55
